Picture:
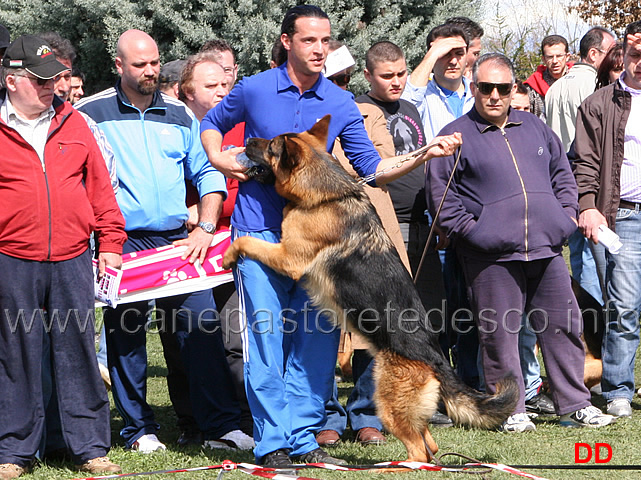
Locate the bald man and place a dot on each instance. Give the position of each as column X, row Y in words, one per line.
column 156, row 140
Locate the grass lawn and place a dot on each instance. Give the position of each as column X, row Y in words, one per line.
column 549, row 444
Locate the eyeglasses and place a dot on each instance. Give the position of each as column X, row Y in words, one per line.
column 486, row 88
column 64, row 75
column 41, row 81
column 341, row 80
column 555, row 57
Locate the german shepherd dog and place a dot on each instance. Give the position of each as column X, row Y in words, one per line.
column 333, row 241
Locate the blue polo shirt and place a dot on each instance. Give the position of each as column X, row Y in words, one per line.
column 270, row 104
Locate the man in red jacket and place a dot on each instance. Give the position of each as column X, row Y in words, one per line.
column 54, row 191
column 555, row 55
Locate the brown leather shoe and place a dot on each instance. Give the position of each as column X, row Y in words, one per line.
column 370, row 436
column 8, row 471
column 327, row 438
column 99, row 465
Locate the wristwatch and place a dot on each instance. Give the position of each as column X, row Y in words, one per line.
column 207, row 227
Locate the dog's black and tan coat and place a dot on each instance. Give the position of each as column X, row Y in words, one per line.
column 334, row 242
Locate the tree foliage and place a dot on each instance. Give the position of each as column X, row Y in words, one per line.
column 614, row 14
column 180, row 27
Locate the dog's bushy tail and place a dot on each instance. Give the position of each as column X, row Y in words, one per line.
column 466, row 406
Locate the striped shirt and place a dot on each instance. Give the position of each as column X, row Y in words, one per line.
column 33, row 131
column 631, row 167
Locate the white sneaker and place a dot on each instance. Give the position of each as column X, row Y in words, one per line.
column 517, row 423
column 619, row 407
column 148, row 443
column 589, row 416
column 234, row 440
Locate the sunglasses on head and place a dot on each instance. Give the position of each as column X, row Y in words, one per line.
column 342, row 79
column 486, row 88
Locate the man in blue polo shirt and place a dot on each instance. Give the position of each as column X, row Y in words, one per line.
column 289, row 352
column 156, row 143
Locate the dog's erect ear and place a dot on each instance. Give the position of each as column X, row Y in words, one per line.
column 320, row 130
column 289, row 157
column 286, row 150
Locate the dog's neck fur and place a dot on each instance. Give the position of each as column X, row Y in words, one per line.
column 340, row 186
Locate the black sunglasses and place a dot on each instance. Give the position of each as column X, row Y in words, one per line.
column 486, row 88
column 342, row 79
column 41, row 81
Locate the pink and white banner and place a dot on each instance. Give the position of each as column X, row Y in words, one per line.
column 160, row 272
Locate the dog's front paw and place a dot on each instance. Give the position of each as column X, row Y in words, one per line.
column 231, row 257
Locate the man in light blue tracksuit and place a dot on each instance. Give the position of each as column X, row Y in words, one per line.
column 157, row 146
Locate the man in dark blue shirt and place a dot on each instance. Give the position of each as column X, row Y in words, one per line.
column 509, row 208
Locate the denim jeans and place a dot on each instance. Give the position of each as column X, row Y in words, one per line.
column 530, row 367
column 623, row 277
column 360, row 405
column 584, row 268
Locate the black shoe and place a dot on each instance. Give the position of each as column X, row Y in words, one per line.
column 276, row 459
column 190, row 437
column 320, row 456
column 441, row 420
column 540, row 404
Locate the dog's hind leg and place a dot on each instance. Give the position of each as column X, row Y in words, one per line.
column 406, row 397
column 429, row 443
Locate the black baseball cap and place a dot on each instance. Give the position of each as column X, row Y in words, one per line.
column 170, row 71
column 5, row 38
column 34, row 55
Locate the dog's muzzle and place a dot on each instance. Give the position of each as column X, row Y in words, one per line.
column 256, row 171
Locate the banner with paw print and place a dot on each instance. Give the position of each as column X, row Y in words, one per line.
column 160, row 272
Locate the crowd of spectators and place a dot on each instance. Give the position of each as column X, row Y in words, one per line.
column 152, row 162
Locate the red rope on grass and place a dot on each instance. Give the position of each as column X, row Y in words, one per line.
column 267, row 472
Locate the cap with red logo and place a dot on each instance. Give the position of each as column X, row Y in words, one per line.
column 34, row 55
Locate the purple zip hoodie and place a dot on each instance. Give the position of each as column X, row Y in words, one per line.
column 513, row 195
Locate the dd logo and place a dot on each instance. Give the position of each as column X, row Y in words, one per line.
column 586, row 450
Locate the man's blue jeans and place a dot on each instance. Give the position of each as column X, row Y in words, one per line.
column 360, row 405
column 623, row 278
column 530, row 367
column 584, row 266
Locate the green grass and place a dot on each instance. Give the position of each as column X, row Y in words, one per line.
column 548, row 445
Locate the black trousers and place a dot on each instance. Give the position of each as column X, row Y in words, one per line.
column 54, row 299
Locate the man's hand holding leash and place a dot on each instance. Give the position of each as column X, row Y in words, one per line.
column 390, row 169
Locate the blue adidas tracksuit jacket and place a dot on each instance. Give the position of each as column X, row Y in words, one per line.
column 165, row 140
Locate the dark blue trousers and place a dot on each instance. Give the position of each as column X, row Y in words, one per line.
column 64, row 290
column 195, row 323
column 500, row 292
